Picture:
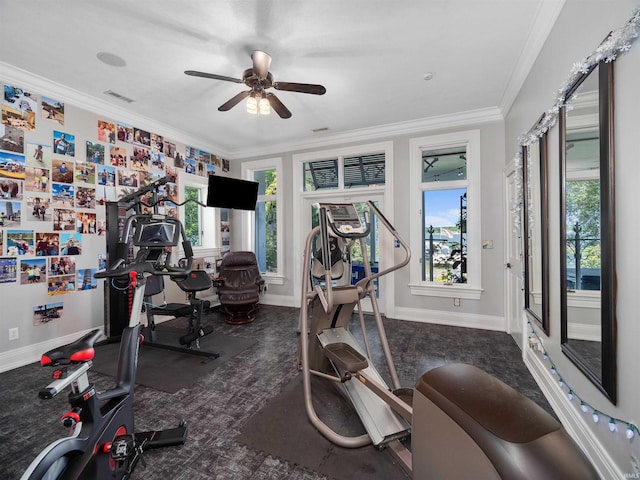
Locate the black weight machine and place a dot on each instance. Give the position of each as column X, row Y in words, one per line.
column 120, row 244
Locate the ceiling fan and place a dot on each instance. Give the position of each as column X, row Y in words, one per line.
column 258, row 79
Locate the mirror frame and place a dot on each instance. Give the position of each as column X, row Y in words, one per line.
column 606, row 382
column 543, row 319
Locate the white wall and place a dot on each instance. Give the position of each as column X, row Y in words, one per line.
column 579, row 30
column 484, row 313
column 83, row 310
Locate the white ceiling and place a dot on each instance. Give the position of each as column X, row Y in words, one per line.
column 371, row 55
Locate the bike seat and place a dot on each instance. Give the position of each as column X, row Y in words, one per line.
column 77, row 352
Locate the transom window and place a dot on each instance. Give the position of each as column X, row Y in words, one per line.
column 345, row 172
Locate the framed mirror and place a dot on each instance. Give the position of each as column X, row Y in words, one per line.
column 536, row 265
column 587, row 228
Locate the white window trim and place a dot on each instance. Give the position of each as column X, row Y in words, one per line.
column 248, row 240
column 209, row 218
column 473, row 288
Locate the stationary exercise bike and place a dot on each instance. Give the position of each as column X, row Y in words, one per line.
column 102, row 443
column 462, row 422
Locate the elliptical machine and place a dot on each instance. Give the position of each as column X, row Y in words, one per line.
column 325, row 313
column 463, row 422
column 102, row 443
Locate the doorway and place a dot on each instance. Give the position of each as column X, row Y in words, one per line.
column 512, row 263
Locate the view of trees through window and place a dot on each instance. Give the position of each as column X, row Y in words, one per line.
column 266, row 217
column 192, row 216
column 583, row 233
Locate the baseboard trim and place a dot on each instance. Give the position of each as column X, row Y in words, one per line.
column 19, row 357
column 453, row 319
column 277, row 300
column 571, row 417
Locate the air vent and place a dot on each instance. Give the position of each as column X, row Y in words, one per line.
column 318, row 130
column 118, row 96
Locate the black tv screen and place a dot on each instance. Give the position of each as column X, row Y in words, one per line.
column 226, row 192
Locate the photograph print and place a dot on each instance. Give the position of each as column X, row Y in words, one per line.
column 39, row 155
column 10, row 213
column 37, row 180
column 11, row 139
column 20, row 242
column 43, row 314
column 62, row 170
column 64, row 144
column 33, row 270
column 95, row 153
column 62, row 195
column 52, row 110
column 8, row 270
column 19, row 108
column 12, row 165
column 11, row 189
column 40, row 208
column 85, row 172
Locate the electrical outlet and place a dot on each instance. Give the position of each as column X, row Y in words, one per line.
column 13, row 334
column 456, row 302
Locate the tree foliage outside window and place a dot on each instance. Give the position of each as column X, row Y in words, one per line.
column 266, row 237
column 192, row 226
column 583, row 209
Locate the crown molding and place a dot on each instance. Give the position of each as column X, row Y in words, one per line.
column 545, row 18
column 378, row 133
column 44, row 86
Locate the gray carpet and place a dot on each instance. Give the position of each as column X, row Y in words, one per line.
column 167, row 370
column 225, row 400
column 282, row 429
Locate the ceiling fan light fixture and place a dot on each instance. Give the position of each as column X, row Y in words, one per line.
column 264, row 106
column 252, row 105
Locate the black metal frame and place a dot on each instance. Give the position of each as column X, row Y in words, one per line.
column 607, row 381
column 543, row 319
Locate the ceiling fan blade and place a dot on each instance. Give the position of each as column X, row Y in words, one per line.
column 234, row 101
column 213, row 76
column 278, row 106
column 300, row 87
column 261, row 63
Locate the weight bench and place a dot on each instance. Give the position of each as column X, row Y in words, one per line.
column 195, row 281
column 477, row 427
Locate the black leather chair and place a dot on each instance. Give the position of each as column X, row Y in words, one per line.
column 239, row 285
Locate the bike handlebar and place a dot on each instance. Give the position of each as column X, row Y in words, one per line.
column 144, row 267
column 142, row 264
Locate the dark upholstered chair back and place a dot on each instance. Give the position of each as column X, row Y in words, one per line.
column 239, row 285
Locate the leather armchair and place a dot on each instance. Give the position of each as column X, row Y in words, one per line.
column 239, row 285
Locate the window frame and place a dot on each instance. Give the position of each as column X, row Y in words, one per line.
column 248, row 171
column 469, row 139
column 209, row 218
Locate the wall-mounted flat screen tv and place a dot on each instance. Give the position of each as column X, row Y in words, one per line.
column 227, row 192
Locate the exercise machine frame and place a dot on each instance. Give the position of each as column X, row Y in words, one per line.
column 102, row 442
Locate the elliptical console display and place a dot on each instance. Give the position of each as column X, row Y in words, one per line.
column 344, row 220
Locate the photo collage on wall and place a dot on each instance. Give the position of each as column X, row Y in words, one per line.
column 53, row 192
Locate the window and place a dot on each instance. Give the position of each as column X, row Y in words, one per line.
column 345, row 172
column 264, row 227
column 192, row 218
column 445, row 236
column 200, row 224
